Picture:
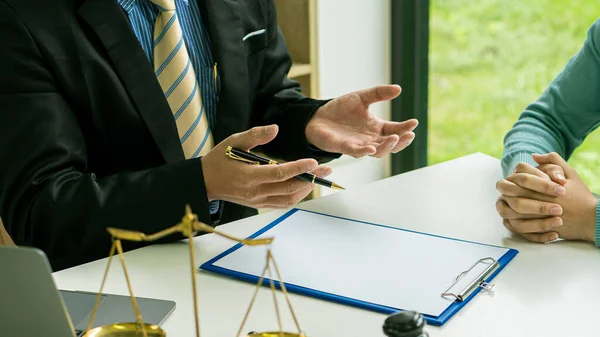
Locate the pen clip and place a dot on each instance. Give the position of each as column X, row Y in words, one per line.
column 236, row 157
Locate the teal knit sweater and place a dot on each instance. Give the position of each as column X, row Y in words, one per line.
column 563, row 116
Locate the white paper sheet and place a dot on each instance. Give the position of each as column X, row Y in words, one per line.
column 374, row 264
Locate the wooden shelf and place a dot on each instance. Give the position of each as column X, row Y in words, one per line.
column 299, row 69
column 297, row 20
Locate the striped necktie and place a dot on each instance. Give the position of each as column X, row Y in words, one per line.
column 173, row 68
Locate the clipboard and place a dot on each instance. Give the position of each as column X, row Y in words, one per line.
column 450, row 275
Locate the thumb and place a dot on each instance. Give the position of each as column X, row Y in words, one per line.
column 379, row 93
column 556, row 159
column 256, row 136
column 555, row 172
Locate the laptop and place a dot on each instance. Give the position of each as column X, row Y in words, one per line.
column 30, row 304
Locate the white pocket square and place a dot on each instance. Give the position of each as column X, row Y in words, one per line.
column 258, row 32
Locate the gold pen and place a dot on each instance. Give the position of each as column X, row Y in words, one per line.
column 255, row 159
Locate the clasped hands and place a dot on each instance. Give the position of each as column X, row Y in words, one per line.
column 547, row 202
column 343, row 125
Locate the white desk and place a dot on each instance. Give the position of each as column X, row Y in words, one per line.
column 547, row 290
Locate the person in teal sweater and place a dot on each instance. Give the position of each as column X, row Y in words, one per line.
column 542, row 197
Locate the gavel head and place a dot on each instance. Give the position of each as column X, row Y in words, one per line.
column 404, row 324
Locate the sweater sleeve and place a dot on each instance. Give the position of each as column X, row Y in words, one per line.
column 564, row 114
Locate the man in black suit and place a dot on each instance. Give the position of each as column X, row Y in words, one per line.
column 88, row 140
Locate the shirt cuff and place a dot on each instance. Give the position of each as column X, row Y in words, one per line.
column 215, row 207
column 511, row 161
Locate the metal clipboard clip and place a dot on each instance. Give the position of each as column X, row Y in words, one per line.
column 478, row 282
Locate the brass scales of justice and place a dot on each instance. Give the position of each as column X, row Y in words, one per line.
column 188, row 226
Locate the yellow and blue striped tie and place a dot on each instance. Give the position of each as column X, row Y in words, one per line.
column 175, row 73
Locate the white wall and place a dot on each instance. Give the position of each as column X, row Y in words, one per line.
column 354, row 53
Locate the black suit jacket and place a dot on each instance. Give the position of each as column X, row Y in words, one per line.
column 87, row 139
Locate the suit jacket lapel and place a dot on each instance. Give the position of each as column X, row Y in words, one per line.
column 107, row 19
column 224, row 27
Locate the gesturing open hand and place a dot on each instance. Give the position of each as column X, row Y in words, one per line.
column 345, row 125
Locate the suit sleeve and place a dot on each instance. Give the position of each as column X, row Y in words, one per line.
column 280, row 101
column 48, row 197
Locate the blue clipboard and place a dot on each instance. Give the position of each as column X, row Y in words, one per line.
column 432, row 320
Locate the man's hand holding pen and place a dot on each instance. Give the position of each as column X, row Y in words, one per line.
column 257, row 186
